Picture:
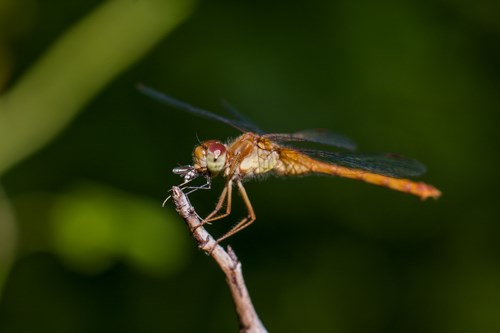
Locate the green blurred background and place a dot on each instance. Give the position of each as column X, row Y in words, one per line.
column 86, row 162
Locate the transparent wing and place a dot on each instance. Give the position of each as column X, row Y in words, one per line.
column 161, row 97
column 392, row 165
column 241, row 118
column 315, row 135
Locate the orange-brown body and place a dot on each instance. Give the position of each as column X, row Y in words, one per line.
column 251, row 155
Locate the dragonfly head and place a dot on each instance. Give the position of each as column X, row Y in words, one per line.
column 210, row 157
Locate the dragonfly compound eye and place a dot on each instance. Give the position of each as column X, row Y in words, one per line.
column 216, row 157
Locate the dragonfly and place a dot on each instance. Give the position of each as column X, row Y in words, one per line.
column 255, row 153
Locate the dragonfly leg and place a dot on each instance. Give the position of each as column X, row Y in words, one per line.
column 226, row 193
column 247, row 220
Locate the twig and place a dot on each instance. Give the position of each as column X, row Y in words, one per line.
column 228, row 262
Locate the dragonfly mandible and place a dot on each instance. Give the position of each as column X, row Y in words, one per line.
column 256, row 153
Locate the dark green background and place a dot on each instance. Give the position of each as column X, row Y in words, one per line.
column 96, row 253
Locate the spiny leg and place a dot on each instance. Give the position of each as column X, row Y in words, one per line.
column 247, row 220
column 226, row 193
column 191, row 189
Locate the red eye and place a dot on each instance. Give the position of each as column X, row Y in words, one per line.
column 216, row 148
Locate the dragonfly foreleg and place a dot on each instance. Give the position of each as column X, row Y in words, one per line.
column 247, row 220
column 206, row 186
column 191, row 189
column 226, row 194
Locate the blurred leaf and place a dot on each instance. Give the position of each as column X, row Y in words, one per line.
column 95, row 226
column 77, row 67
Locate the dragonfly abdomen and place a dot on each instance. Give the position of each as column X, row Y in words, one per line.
column 295, row 163
column 419, row 189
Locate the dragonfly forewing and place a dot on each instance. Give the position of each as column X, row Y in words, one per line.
column 320, row 136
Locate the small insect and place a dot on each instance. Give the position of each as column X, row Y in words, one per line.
column 255, row 153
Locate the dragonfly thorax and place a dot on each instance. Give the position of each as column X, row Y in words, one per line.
column 210, row 157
